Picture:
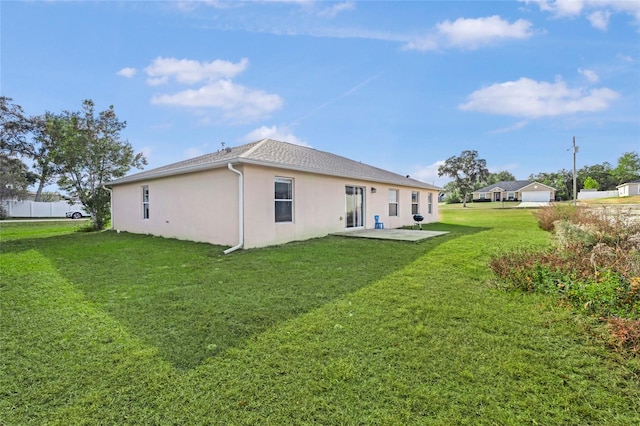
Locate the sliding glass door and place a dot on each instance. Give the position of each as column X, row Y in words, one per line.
column 355, row 206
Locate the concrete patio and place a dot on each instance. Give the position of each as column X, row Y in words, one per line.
column 392, row 234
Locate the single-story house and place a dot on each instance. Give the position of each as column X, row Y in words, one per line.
column 266, row 193
column 629, row 188
column 515, row 190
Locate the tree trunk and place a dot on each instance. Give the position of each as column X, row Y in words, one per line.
column 39, row 192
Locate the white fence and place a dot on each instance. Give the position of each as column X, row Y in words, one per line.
column 590, row 194
column 40, row 209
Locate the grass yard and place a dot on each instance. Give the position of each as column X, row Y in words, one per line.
column 106, row 328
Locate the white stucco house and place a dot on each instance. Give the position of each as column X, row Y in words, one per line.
column 265, row 193
column 516, row 190
column 629, row 188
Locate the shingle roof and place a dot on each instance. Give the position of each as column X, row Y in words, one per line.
column 506, row 185
column 272, row 153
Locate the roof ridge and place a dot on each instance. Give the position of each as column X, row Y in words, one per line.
column 251, row 150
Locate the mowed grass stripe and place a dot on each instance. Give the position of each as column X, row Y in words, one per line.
column 60, row 353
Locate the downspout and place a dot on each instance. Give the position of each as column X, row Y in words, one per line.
column 240, row 211
column 110, row 205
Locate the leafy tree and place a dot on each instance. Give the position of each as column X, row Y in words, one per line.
column 15, row 128
column 499, row 177
column 89, row 152
column 14, row 180
column 591, row 183
column 628, row 168
column 467, row 170
column 599, row 172
column 26, row 137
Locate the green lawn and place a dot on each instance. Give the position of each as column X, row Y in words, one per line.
column 106, row 328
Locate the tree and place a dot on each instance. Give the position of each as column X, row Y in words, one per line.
column 88, row 152
column 15, row 128
column 628, row 168
column 467, row 170
column 499, row 177
column 591, row 183
column 14, row 180
column 598, row 172
column 26, row 137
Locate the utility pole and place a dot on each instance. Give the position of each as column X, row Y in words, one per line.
column 575, row 151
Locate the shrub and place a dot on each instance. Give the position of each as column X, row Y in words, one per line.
column 547, row 216
column 625, row 334
column 594, row 266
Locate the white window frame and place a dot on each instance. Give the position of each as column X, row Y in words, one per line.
column 415, row 202
column 145, row 202
column 393, row 202
column 282, row 200
column 430, row 203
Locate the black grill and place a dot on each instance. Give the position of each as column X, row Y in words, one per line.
column 417, row 218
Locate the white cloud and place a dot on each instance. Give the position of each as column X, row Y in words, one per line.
column 187, row 71
column 533, row 99
column 601, row 10
column 214, row 90
column 600, row 19
column 517, row 126
column 127, row 72
column 334, row 10
column 238, row 102
column 472, row 33
column 283, row 134
column 590, row 75
column 429, row 174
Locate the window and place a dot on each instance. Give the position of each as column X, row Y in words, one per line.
column 483, row 196
column 393, row 202
column 415, row 202
column 511, row 196
column 430, row 203
column 145, row 202
column 284, row 199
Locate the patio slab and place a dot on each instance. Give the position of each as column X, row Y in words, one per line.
column 392, row 234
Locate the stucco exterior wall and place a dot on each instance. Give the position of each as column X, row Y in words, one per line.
column 203, row 206
column 319, row 206
column 199, row 206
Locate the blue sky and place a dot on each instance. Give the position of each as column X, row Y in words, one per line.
column 398, row 85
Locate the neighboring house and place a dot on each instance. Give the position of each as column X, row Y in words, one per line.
column 629, row 188
column 515, row 190
column 265, row 193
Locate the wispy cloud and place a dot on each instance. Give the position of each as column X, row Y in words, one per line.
column 600, row 10
column 517, row 126
column 533, row 99
column 590, row 75
column 343, row 95
column 429, row 173
column 283, row 133
column 127, row 72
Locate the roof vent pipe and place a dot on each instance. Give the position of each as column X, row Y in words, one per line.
column 240, row 211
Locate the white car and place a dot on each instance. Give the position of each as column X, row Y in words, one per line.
column 77, row 214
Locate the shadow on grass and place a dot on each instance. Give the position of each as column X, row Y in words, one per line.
column 192, row 302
